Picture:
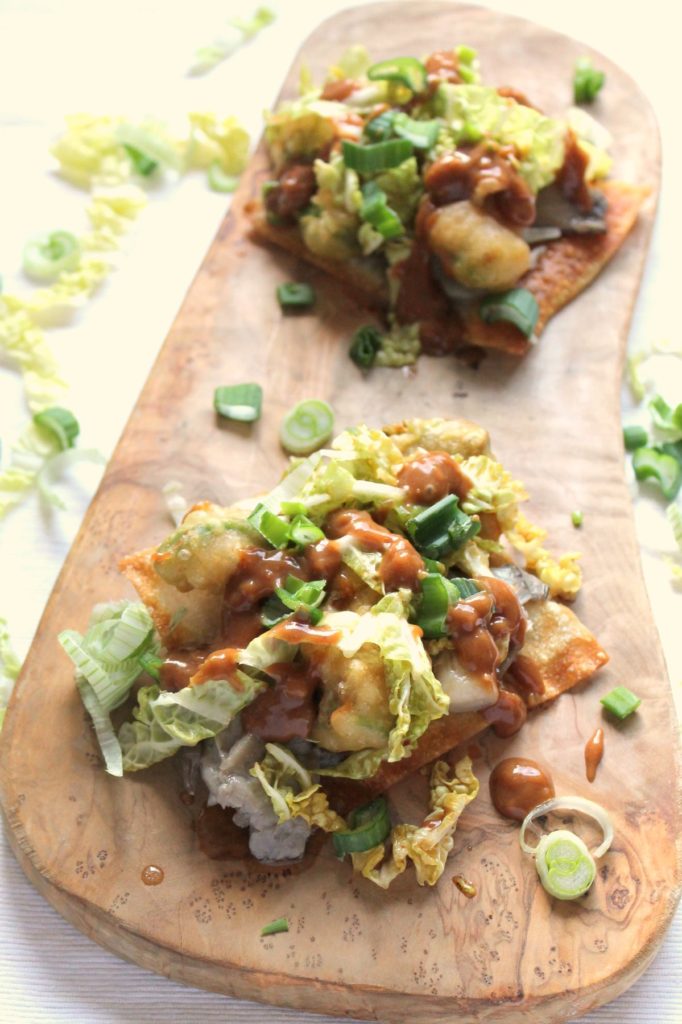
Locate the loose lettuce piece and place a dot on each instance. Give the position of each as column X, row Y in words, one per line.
column 9, row 668
column 476, row 111
column 301, row 128
column 111, row 212
column 30, row 454
column 353, row 63
column 331, row 233
column 337, row 185
column 89, row 151
column 495, row 490
column 426, row 845
column 364, row 564
column 71, row 289
column 400, row 346
column 165, row 721
column 403, row 188
column 457, row 437
column 292, row 792
column 212, row 140
column 23, row 343
column 237, row 32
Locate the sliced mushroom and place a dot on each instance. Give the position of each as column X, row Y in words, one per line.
column 553, row 210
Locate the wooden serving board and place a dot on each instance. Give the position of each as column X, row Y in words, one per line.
column 510, row 954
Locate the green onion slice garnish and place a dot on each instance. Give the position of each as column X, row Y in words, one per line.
column 438, row 595
column 304, row 531
column 295, row 295
column 275, row 927
column 274, row 529
column 565, row 865
column 518, row 307
column 380, row 156
column 380, row 128
column 577, row 518
column 219, row 181
column 48, row 255
column 375, row 211
column 296, row 596
column 664, row 416
column 661, row 466
column 422, row 134
column 241, row 402
column 587, row 81
column 61, row 424
column 306, row 427
column 441, row 528
column 634, row 437
column 142, row 164
column 364, row 346
column 407, row 70
column 621, row 702
column 369, row 826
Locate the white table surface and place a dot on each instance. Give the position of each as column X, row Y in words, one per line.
column 65, row 56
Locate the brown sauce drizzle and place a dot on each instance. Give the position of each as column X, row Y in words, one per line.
column 486, row 174
column 219, row 665
column 322, row 560
column 571, row 177
column 507, row 715
column 339, row 89
column 594, row 751
column 152, row 875
column 432, row 476
column 302, row 633
column 285, row 711
column 179, row 667
column 441, row 66
column 295, row 189
column 467, row 888
column 401, row 565
column 517, row 785
column 259, row 573
column 240, row 628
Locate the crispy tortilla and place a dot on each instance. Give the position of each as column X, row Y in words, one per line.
column 564, row 269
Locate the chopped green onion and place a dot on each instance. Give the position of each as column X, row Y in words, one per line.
column 295, row 597
column 422, row 134
column 369, row 826
column 665, row 417
column 241, row 402
column 407, row 70
column 375, row 211
column 438, row 595
column 219, row 181
column 634, row 437
column 142, row 164
column 306, row 427
column 587, row 81
column 661, row 466
column 380, row 156
column 380, row 128
column 518, row 307
column 304, row 531
column 565, row 865
column 466, row 64
column 151, row 663
column 364, row 346
column 621, row 702
column 293, row 508
column 48, row 255
column 295, row 295
column 275, row 927
column 441, row 528
column 577, row 518
column 271, row 527
column 61, row 424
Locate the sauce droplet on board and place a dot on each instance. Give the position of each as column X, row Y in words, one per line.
column 151, row 875
column 464, row 886
column 517, row 785
column 594, row 751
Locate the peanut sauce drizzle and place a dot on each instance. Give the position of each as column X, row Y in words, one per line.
column 517, row 785
column 594, row 751
column 401, row 565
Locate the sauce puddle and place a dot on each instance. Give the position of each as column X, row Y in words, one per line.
column 152, row 875
column 517, row 785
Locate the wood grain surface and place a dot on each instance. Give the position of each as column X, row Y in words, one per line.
column 430, row 955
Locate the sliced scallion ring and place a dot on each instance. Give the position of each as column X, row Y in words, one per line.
column 271, row 527
column 518, row 307
column 564, row 864
column 219, row 181
column 61, row 424
column 364, row 346
column 306, row 427
column 571, row 803
column 240, row 402
column 369, row 826
column 48, row 255
column 407, row 70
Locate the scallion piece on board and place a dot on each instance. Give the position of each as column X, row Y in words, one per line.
column 518, row 307
column 306, row 427
column 219, row 181
column 621, row 702
column 407, row 70
column 48, row 255
column 364, row 346
column 564, row 864
column 295, row 295
column 380, row 156
column 275, row 927
column 661, row 466
column 142, row 164
column 61, row 424
column 274, row 529
column 634, row 437
column 241, row 402
column 577, row 518
column 587, row 81
column 369, row 826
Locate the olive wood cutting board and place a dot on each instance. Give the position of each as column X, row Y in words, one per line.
column 510, row 954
